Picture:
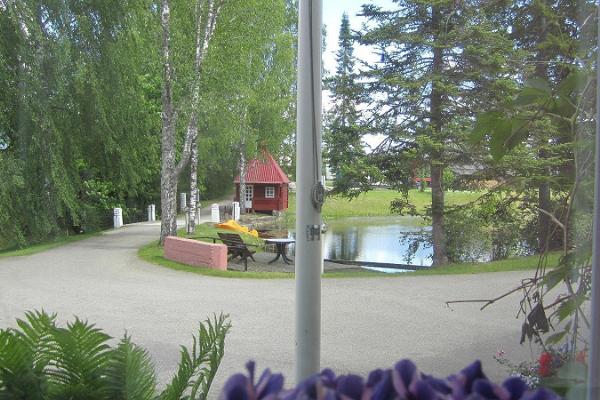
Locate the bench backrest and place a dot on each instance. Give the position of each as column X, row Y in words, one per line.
column 231, row 239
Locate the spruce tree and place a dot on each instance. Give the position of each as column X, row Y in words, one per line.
column 343, row 136
column 439, row 64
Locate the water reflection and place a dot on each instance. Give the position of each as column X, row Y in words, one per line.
column 376, row 240
column 379, row 239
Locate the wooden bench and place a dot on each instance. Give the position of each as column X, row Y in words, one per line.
column 196, row 253
column 236, row 247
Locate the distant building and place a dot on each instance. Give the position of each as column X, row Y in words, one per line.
column 266, row 185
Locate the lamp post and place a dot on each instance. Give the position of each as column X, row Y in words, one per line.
column 309, row 197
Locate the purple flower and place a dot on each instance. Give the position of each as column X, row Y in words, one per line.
column 240, row 387
column 384, row 389
column 403, row 382
column 541, row 394
column 350, row 387
column 439, row 385
column 404, row 375
column 237, row 387
column 516, row 387
column 489, row 390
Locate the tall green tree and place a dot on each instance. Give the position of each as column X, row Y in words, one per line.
column 249, row 81
column 555, row 39
column 345, row 151
column 439, row 64
column 74, row 128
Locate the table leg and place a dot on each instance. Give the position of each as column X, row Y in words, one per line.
column 286, row 259
column 277, row 256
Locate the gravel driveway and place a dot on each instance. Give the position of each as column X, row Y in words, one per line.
column 366, row 322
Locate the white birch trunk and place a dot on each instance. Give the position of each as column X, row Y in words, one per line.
column 242, row 166
column 170, row 170
column 168, row 180
column 193, row 209
column 203, row 37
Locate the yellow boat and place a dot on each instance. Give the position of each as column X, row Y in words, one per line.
column 234, row 226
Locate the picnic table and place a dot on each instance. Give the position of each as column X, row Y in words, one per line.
column 280, row 245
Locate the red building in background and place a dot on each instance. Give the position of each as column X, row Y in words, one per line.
column 266, row 185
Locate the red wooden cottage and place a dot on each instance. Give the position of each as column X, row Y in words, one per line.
column 266, row 185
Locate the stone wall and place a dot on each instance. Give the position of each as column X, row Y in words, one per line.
column 196, row 253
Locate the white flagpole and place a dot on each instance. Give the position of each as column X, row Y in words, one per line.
column 309, row 191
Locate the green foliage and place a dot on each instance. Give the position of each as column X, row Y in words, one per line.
column 41, row 360
column 198, row 367
column 497, row 221
column 248, row 98
column 543, row 136
column 130, row 373
column 344, row 148
column 513, row 124
column 74, row 111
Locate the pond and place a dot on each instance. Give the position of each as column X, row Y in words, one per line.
column 377, row 240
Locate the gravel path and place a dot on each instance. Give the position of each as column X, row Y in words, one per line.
column 367, row 323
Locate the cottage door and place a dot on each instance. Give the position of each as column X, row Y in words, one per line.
column 249, row 195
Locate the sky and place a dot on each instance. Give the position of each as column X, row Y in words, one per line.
column 332, row 17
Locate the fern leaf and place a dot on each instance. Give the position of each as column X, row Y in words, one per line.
column 130, row 373
column 79, row 360
column 198, row 366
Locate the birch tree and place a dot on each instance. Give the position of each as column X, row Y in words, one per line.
column 252, row 78
column 206, row 13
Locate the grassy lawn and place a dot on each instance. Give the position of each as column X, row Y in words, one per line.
column 38, row 248
column 510, row 264
column 153, row 253
column 377, row 203
column 204, row 232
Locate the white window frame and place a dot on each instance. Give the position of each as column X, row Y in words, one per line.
column 272, row 188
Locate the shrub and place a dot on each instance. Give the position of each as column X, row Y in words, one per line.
column 41, row 360
column 402, row 382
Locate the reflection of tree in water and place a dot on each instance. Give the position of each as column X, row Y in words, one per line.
column 346, row 245
column 413, row 241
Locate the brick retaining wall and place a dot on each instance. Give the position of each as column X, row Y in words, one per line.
column 196, row 253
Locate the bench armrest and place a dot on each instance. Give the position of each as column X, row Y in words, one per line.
column 214, row 239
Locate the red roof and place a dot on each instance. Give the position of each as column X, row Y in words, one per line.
column 264, row 170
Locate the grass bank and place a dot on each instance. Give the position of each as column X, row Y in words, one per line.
column 153, row 253
column 38, row 248
column 205, row 232
column 377, row 203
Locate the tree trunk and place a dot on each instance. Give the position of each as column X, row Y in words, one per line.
column 170, row 170
column 242, row 166
column 544, row 193
column 193, row 206
column 544, row 229
column 438, row 233
column 440, row 255
column 168, row 179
